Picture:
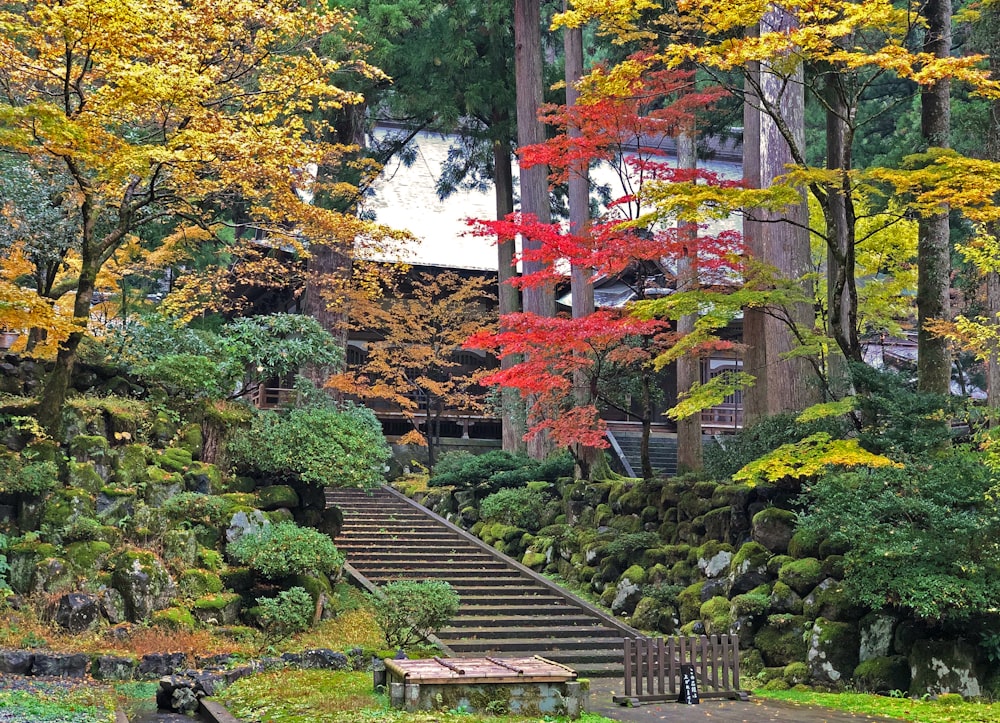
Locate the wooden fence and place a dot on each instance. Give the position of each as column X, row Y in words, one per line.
column 653, row 668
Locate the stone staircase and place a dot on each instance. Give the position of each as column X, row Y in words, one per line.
column 662, row 450
column 506, row 609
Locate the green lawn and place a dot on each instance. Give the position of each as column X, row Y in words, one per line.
column 58, row 705
column 948, row 710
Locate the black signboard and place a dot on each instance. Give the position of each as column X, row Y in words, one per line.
column 689, row 686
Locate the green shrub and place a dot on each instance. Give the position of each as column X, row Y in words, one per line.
column 498, row 470
column 24, row 477
column 4, row 565
column 408, row 610
column 283, row 549
column 195, row 508
column 324, row 444
column 627, row 544
column 922, row 538
column 664, row 593
column 282, row 616
column 518, row 507
column 188, row 376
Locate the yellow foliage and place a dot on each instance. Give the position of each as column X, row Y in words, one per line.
column 808, row 458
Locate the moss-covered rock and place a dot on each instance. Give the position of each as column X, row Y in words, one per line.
column 628, row 591
column 718, row 523
column 830, row 600
column 205, row 479
column 781, row 640
column 143, row 581
column 162, row 486
column 534, row 560
column 175, row 459
column 651, row 615
column 133, row 461
column 238, row 579
column 882, row 674
column 219, row 609
column 795, row 673
column 691, row 505
column 876, row 630
column 194, row 583
column 174, row 618
column 716, row 614
column 689, row 602
column 277, row 496
column 773, row 528
column 115, row 504
column 95, row 450
column 180, row 548
column 833, row 650
column 801, row 575
column 748, row 568
column 83, row 476
column 65, row 506
column 804, row 544
column 87, row 558
column 785, row 600
column 189, row 438
column 945, row 666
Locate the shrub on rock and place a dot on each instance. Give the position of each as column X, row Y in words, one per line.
column 283, row 549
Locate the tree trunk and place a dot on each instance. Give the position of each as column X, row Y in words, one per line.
column 689, row 446
column 511, row 405
column 58, row 382
column 581, row 286
column 990, row 31
column 933, row 245
column 533, row 181
column 783, row 384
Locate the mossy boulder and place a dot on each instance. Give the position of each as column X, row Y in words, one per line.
column 876, row 630
column 175, row 459
column 628, row 591
column 651, row 615
column 716, row 614
column 83, row 476
column 714, row 558
column 945, row 666
column 133, row 461
column 719, row 523
column 773, row 528
column 804, row 544
column 95, row 450
column 195, row 582
column 189, row 438
column 830, row 600
column 748, row 568
column 795, row 673
column 534, row 560
column 882, row 674
column 785, row 600
column 162, row 486
column 115, row 504
column 833, row 650
column 174, row 618
column 180, row 548
column 203, row 478
column 276, row 497
column 781, row 641
column 65, row 506
column 801, row 575
column 87, row 558
column 23, row 558
column 689, row 602
column 218, row 609
column 143, row 581
column 238, row 579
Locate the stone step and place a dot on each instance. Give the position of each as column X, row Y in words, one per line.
column 598, row 646
column 486, row 632
column 515, row 599
column 379, row 574
column 512, row 622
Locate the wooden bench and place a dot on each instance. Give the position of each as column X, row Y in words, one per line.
column 653, row 668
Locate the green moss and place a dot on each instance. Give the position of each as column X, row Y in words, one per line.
column 603, row 515
column 277, row 496
column 196, row 583
column 87, row 558
column 202, row 477
column 218, row 601
column 776, row 563
column 781, row 641
column 175, row 459
column 716, row 613
column 750, row 556
column 635, row 574
column 883, row 674
column 724, row 495
column 239, row 579
column 210, row 559
column 801, row 575
column 796, row 673
column 133, row 461
column 534, row 560
column 776, row 684
column 90, row 447
column 175, row 618
column 804, row 544
column 65, row 506
column 180, row 547
column 282, row 514
column 689, row 602
column 189, row 438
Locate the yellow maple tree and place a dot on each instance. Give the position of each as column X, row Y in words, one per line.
column 176, row 110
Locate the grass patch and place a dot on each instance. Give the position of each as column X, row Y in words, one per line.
column 59, row 705
column 352, row 629
column 320, row 696
column 915, row 711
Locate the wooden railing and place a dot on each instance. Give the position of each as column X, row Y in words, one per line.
column 725, row 417
column 653, row 668
column 271, row 397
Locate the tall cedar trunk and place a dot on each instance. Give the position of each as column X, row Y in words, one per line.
column 329, row 268
column 783, row 384
column 933, row 247
column 840, row 221
column 511, row 404
column 688, row 366
column 581, row 285
column 755, row 354
column 990, row 20
column 534, row 181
